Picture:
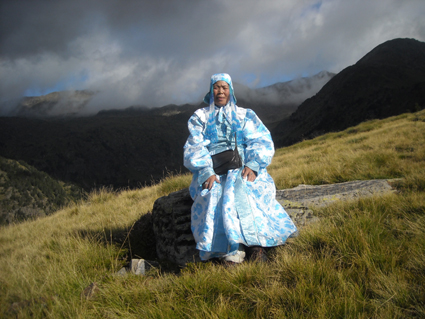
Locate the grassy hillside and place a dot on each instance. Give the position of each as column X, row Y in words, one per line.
column 364, row 259
column 27, row 193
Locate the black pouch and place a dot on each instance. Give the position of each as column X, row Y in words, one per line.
column 226, row 160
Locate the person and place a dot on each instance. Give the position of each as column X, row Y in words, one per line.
column 234, row 214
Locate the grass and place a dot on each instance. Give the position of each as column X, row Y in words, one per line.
column 363, row 259
column 390, row 148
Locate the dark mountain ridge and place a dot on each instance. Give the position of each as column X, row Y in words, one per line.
column 133, row 147
column 387, row 81
column 124, row 151
column 121, row 148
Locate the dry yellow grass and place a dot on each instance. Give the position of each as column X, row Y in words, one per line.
column 388, row 148
column 364, row 259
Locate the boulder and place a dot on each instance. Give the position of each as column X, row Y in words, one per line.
column 323, row 195
column 171, row 226
column 171, row 214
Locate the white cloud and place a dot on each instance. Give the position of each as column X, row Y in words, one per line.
column 161, row 52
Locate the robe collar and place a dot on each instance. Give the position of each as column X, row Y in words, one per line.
column 229, row 110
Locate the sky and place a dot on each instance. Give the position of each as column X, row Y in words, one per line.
column 154, row 53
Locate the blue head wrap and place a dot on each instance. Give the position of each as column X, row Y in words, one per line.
column 215, row 78
column 229, row 108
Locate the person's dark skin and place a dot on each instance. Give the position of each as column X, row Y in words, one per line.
column 221, row 93
column 247, row 172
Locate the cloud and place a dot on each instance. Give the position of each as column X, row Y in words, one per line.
column 159, row 52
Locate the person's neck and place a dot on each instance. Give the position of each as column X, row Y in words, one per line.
column 221, row 105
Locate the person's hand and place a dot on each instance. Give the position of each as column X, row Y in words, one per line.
column 209, row 183
column 249, row 174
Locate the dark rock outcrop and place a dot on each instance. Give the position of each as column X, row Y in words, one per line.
column 171, row 225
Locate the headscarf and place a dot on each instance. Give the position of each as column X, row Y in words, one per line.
column 229, row 109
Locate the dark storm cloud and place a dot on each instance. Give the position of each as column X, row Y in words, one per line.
column 33, row 27
column 158, row 52
column 157, row 27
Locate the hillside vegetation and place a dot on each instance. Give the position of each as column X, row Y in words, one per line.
column 28, row 193
column 363, row 259
column 122, row 148
column 131, row 150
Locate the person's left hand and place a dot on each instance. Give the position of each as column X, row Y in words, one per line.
column 209, row 183
column 249, row 174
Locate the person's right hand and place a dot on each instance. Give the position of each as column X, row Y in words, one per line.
column 210, row 182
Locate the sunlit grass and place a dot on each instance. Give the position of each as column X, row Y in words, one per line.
column 393, row 149
column 363, row 259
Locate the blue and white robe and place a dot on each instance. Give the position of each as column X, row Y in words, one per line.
column 235, row 211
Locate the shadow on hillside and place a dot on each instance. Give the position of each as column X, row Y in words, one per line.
column 138, row 241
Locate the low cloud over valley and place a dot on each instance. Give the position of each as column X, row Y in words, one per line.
column 154, row 53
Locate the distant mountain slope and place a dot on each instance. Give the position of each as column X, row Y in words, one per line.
column 119, row 151
column 118, row 148
column 26, row 192
column 387, row 81
column 290, row 92
column 271, row 101
column 63, row 103
column 275, row 102
column 122, row 147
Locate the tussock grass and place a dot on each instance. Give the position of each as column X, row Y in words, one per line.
column 364, row 259
column 390, row 148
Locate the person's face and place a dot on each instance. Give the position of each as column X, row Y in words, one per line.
column 221, row 93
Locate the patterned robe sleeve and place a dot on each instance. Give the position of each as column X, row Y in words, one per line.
column 196, row 155
column 259, row 149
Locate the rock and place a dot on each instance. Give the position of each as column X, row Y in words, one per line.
column 90, row 291
column 141, row 266
column 171, row 226
column 322, row 195
column 138, row 267
column 122, row 272
column 171, row 214
column 300, row 214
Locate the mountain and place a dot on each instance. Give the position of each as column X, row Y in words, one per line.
column 120, row 148
column 64, row 103
column 138, row 145
column 118, row 151
column 275, row 102
column 290, row 92
column 387, row 81
column 25, row 192
column 271, row 101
